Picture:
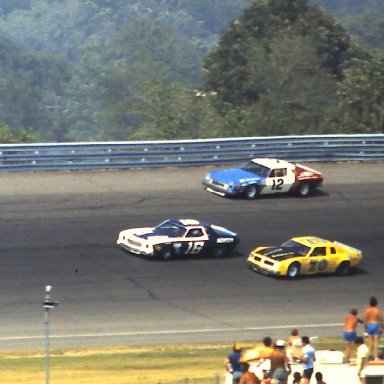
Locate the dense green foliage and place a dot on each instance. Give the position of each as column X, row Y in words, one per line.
column 85, row 70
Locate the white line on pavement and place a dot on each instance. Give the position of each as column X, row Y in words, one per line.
column 172, row 332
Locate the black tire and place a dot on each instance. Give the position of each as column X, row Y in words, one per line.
column 166, row 254
column 303, row 189
column 293, row 271
column 219, row 252
column 343, row 269
column 251, row 192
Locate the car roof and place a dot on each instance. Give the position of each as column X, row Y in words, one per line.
column 187, row 222
column 312, row 241
column 272, row 163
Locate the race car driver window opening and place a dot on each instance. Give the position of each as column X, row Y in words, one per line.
column 197, row 232
column 319, row 251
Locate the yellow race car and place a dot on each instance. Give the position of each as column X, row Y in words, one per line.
column 305, row 255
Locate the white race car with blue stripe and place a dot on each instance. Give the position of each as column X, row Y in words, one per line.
column 262, row 176
column 177, row 237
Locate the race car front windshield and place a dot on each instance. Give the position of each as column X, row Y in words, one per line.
column 167, row 228
column 257, row 169
column 295, row 248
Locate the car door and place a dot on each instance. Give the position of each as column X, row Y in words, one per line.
column 279, row 180
column 318, row 260
column 195, row 241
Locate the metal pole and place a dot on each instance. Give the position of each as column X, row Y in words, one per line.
column 46, row 322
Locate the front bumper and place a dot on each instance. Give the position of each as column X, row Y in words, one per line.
column 220, row 189
column 134, row 250
column 264, row 271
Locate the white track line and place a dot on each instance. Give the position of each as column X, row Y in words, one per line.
column 171, row 332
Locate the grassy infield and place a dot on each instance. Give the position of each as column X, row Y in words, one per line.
column 124, row 365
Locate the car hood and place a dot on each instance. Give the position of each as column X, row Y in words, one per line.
column 276, row 253
column 234, row 175
column 146, row 234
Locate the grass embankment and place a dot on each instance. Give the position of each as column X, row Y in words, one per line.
column 124, row 365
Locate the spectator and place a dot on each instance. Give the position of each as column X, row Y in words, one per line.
column 373, row 321
column 247, row 377
column 260, row 351
column 349, row 333
column 319, row 378
column 266, row 379
column 280, row 367
column 294, row 345
column 297, row 378
column 308, row 359
column 232, row 363
column 361, row 358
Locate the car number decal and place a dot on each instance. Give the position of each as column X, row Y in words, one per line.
column 319, row 265
column 277, row 185
column 194, row 247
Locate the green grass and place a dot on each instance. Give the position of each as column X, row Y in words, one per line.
column 166, row 364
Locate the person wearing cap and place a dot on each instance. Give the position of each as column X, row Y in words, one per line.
column 280, row 367
column 232, row 363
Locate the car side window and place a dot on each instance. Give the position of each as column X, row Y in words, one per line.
column 195, row 232
column 333, row 251
column 319, row 251
column 278, row 172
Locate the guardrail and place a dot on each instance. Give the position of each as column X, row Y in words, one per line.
column 178, row 153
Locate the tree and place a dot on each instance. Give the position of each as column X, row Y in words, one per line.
column 361, row 98
column 226, row 68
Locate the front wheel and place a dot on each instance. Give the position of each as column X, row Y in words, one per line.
column 293, row 270
column 251, row 192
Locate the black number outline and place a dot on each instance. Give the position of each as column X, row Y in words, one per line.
column 277, row 185
column 312, row 266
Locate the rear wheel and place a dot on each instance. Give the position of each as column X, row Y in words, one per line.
column 219, row 252
column 293, row 270
column 344, row 268
column 303, row 190
column 251, row 192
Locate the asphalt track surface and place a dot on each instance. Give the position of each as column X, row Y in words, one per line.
column 60, row 228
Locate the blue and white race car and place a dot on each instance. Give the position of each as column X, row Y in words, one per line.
column 177, row 237
column 262, row 176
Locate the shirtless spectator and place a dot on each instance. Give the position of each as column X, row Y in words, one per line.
column 280, row 367
column 294, row 345
column 349, row 334
column 373, row 321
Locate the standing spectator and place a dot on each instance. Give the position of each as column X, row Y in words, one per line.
column 308, row 359
column 294, row 345
column 319, row 378
column 280, row 367
column 373, row 321
column 349, row 333
column 247, row 377
column 361, row 358
column 232, row 363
